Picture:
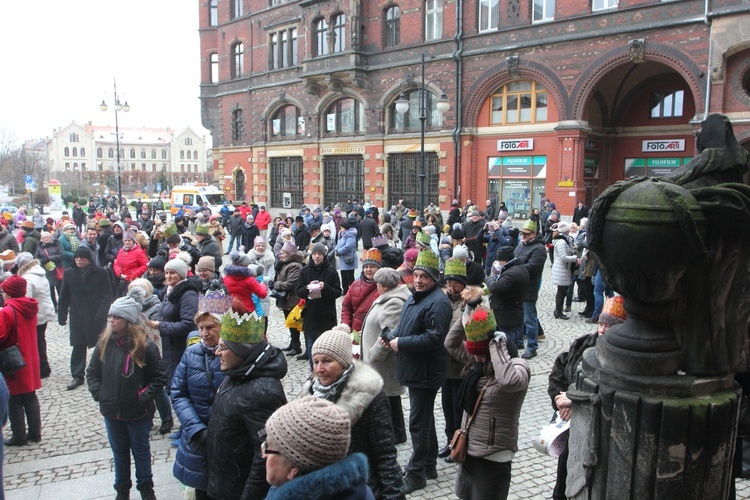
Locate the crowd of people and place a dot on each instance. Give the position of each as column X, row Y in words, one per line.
column 178, row 324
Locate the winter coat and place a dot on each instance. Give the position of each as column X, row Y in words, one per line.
column 131, row 263
column 286, row 280
column 494, row 427
column 357, row 302
column 176, row 319
column 473, row 238
column 114, row 244
column 216, row 231
column 194, row 384
column 474, row 273
column 263, row 220
column 319, row 315
column 241, row 407
column 209, row 247
column 265, row 259
column 124, row 390
column 455, row 367
column 102, row 241
column 8, row 241
column 87, row 294
column 18, row 325
column 37, row 287
column 367, row 229
column 372, row 430
column 346, row 247
column 345, row 480
column 385, row 312
column 302, row 238
column 249, row 233
column 507, row 291
column 31, row 241
column 67, row 250
column 565, row 369
column 235, row 225
column 280, row 242
column 49, row 252
column 241, row 283
column 532, row 255
column 562, row 274
column 422, row 359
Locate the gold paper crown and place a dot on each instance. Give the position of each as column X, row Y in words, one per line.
column 245, row 329
column 169, row 230
column 215, row 302
column 423, row 238
column 455, row 267
column 373, row 256
column 478, row 323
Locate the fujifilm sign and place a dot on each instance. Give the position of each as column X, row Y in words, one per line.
column 667, row 145
column 515, row 144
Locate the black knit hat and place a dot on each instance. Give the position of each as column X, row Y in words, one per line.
column 157, row 262
column 82, row 251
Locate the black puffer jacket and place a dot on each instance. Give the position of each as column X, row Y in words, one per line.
column 176, row 321
column 124, row 390
column 507, row 291
column 243, row 404
column 532, row 255
column 319, row 315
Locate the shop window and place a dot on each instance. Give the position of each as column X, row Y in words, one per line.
column 667, row 104
column 433, row 20
column 345, row 117
column 519, row 102
column 519, row 181
column 409, row 121
column 489, row 14
column 287, row 123
column 392, row 26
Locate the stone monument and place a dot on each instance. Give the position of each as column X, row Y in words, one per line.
column 655, row 405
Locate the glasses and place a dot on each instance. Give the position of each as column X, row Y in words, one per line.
column 264, row 451
column 221, row 347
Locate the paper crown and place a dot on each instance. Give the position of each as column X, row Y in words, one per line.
column 245, row 329
column 412, row 213
column 423, row 238
column 455, row 267
column 201, row 229
column 613, row 311
column 379, row 241
column 169, row 229
column 428, row 260
column 372, row 256
column 478, row 325
column 214, row 302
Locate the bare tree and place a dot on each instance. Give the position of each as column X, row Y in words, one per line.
column 16, row 162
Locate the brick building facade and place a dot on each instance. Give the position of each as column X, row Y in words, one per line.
column 556, row 99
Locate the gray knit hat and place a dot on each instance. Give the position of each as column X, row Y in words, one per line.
column 310, row 432
column 239, row 258
column 335, row 343
column 206, row 262
column 389, row 278
column 126, row 308
column 177, row 265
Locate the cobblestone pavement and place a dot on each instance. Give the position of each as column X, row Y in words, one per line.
column 74, row 461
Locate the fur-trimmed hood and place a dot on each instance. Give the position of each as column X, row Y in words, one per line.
column 363, row 385
column 28, row 266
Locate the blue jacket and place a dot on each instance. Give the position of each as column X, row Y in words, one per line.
column 347, row 245
column 345, row 480
column 422, row 358
column 194, row 386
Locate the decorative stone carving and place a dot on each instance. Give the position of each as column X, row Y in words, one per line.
column 637, row 50
column 312, row 88
column 334, row 84
column 282, row 97
column 514, row 8
column 513, row 70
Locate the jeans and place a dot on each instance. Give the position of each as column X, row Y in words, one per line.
column 601, row 288
column 23, row 408
column 232, row 238
column 310, row 338
column 126, row 436
column 163, row 405
column 422, row 429
column 531, row 324
column 78, row 361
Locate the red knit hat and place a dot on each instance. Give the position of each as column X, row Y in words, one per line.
column 14, row 287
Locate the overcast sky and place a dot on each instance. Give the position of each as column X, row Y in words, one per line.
column 59, row 59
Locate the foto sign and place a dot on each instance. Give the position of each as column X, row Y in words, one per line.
column 515, row 144
column 664, row 145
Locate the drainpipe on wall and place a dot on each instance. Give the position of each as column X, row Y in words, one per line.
column 457, row 56
column 707, row 107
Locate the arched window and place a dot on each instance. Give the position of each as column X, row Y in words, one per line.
column 345, row 117
column 182, row 154
column 75, row 151
column 143, row 153
column 321, row 38
column 83, row 151
column 287, row 123
column 111, row 153
column 238, row 125
column 66, row 151
column 163, row 154
column 214, row 68
column 339, row 33
column 409, row 121
column 238, row 60
column 519, row 102
column 99, row 152
column 153, row 154
column 392, row 26
column 132, row 152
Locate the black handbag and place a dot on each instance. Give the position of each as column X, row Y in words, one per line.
column 11, row 359
column 279, row 294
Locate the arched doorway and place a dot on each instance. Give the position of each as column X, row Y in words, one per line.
column 239, row 185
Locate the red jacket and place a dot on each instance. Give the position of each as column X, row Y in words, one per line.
column 242, row 284
column 19, row 316
column 244, row 210
column 357, row 302
column 262, row 220
column 132, row 263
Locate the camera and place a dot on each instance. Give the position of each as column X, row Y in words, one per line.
column 387, row 334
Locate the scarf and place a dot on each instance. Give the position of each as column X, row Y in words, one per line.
column 74, row 242
column 332, row 392
column 469, row 390
column 209, row 350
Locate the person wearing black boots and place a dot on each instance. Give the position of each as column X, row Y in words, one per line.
column 284, row 287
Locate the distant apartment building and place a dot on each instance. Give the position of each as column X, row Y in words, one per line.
column 548, row 98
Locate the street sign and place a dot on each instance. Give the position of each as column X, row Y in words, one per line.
column 29, row 183
column 28, row 180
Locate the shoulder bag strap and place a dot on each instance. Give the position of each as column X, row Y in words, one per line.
column 476, row 405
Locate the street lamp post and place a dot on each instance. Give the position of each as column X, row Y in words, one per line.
column 402, row 107
column 118, row 107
